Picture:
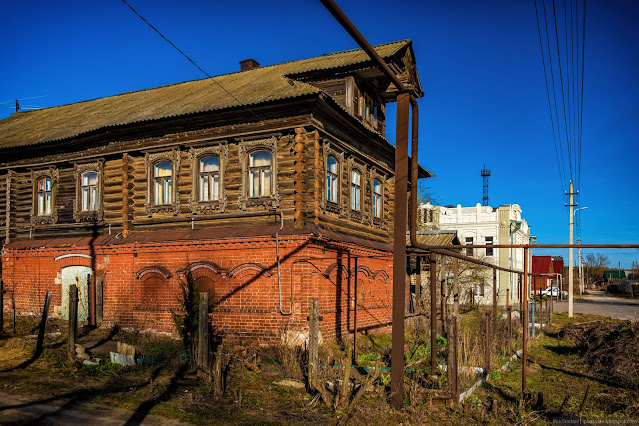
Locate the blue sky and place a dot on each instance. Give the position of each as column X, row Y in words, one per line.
column 479, row 63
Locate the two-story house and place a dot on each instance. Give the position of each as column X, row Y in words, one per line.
column 262, row 185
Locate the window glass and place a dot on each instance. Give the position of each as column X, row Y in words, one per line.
column 89, row 190
column 209, row 179
column 163, row 183
column 356, row 190
column 44, row 197
column 331, row 179
column 489, row 251
column 377, row 198
column 259, row 174
column 469, row 251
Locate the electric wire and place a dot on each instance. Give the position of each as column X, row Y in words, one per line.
column 191, row 60
column 552, row 121
column 563, row 97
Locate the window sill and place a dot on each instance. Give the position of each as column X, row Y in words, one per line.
column 332, row 207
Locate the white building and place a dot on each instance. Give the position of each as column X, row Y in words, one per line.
column 486, row 225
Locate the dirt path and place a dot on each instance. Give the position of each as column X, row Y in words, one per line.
column 23, row 409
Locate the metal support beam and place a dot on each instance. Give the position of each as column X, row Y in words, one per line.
column 399, row 253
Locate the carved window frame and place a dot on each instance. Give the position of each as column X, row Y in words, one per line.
column 36, row 175
column 353, row 164
column 78, row 214
column 245, row 148
column 220, row 151
column 327, row 205
column 151, row 159
column 374, row 174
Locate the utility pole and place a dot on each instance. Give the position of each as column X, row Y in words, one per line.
column 570, row 259
column 581, row 277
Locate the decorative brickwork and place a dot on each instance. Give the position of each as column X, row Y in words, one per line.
column 141, row 283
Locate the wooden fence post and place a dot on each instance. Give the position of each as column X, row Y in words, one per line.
column 218, row 372
column 203, row 329
column 313, row 343
column 43, row 323
column 98, row 302
column 73, row 318
column 91, row 298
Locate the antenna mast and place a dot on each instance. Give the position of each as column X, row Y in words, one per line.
column 485, row 174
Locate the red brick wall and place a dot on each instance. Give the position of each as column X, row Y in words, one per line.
column 245, row 290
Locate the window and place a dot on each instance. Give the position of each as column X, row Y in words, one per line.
column 331, row 179
column 356, row 190
column 258, row 161
column 259, row 179
column 44, row 197
column 162, row 183
column 489, row 250
column 377, row 199
column 209, row 181
column 89, row 191
column 480, row 289
column 469, row 251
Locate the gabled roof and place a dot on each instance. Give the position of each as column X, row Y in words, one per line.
column 259, row 85
column 542, row 264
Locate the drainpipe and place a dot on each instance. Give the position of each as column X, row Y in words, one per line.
column 279, row 274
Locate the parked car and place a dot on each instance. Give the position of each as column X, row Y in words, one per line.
column 551, row 292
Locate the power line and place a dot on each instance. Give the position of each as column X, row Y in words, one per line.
column 563, row 98
column 552, row 121
column 190, row 60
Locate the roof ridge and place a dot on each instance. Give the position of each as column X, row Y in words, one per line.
column 217, row 76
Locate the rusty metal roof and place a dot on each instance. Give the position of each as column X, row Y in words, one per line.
column 264, row 84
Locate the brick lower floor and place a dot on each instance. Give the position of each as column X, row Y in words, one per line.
column 252, row 297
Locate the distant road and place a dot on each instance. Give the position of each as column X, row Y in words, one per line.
column 601, row 303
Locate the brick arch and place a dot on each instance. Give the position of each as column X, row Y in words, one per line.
column 74, row 259
column 204, row 267
column 364, row 270
column 338, row 268
column 248, row 267
column 154, row 270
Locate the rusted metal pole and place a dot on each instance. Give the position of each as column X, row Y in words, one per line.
column 443, row 292
column 487, row 355
column 455, row 319
column 510, row 330
column 1, row 306
column 418, row 284
column 355, row 319
column 399, row 252
column 524, row 288
column 494, row 299
column 433, row 313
